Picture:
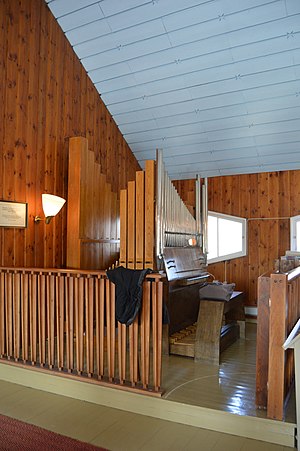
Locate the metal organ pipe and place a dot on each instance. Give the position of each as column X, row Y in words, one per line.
column 175, row 225
column 204, row 215
column 158, row 207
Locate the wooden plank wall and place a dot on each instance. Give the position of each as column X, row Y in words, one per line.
column 46, row 97
column 267, row 200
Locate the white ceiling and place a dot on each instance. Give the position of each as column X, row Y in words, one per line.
column 215, row 83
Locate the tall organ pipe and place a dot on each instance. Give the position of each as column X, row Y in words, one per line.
column 159, row 201
column 174, row 222
column 198, row 212
column 204, row 216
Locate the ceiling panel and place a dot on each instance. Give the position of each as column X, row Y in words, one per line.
column 80, row 17
column 277, row 138
column 214, row 83
column 64, row 7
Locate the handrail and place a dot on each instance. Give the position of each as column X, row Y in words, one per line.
column 293, row 274
column 97, row 272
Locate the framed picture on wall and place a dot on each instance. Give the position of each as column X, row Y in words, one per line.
column 13, row 214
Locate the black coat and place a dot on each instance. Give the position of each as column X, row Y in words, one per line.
column 129, row 291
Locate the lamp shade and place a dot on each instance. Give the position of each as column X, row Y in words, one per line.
column 52, row 204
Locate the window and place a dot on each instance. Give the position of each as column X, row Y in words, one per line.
column 227, row 237
column 295, row 233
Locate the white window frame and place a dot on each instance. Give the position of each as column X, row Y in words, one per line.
column 243, row 252
column 293, row 232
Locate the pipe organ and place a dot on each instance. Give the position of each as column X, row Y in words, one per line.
column 181, row 247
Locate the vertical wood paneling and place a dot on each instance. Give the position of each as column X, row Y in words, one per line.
column 46, row 97
column 267, row 200
column 3, row 51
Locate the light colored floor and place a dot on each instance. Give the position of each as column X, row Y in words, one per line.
column 229, row 387
column 114, row 429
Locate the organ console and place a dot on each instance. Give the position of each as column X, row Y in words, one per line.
column 195, row 327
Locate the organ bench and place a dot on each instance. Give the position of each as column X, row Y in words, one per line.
column 219, row 324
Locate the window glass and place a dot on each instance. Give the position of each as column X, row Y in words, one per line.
column 226, row 237
column 298, row 235
column 230, row 236
column 295, row 233
column 212, row 236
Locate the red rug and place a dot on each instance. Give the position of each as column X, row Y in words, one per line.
column 16, row 435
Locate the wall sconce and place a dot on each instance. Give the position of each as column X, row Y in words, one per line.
column 51, row 206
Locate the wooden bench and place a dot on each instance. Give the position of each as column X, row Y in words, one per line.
column 210, row 336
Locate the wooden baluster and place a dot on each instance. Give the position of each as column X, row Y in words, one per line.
column 16, row 313
column 2, row 314
column 8, row 307
column 59, row 297
column 25, row 317
column 80, row 336
column 146, row 333
column 159, row 286
column 98, row 319
column 51, row 319
column 89, row 334
column 131, row 355
column 108, row 331
column 42, row 318
column 113, row 329
column 69, row 323
column 33, row 316
column 122, row 352
column 133, row 352
column 136, row 350
column 76, row 308
column 154, row 332
column 101, row 328
column 143, row 338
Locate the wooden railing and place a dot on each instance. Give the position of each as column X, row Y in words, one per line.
column 278, row 311
column 64, row 321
